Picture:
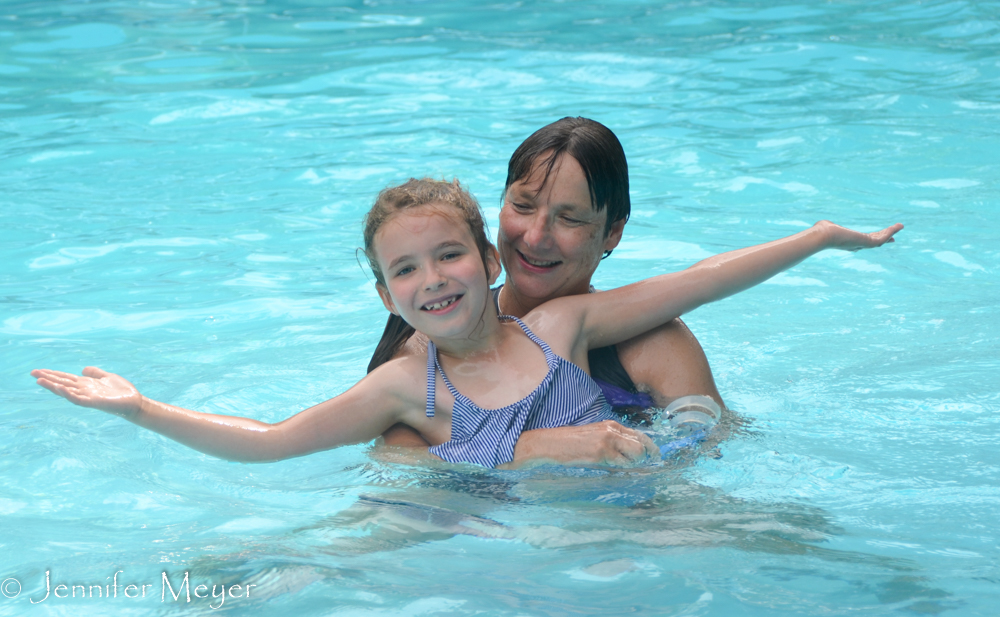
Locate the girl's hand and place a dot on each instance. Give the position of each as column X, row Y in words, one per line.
column 849, row 240
column 95, row 388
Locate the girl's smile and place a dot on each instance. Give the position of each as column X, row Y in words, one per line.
column 439, row 307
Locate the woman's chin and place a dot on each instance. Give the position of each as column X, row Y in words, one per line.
column 537, row 283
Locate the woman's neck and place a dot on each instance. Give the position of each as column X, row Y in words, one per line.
column 518, row 305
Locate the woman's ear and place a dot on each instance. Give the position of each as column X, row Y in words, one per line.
column 614, row 235
column 493, row 267
column 386, row 298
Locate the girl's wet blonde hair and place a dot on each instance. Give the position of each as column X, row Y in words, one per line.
column 421, row 192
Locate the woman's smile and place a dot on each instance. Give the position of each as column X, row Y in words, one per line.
column 538, row 265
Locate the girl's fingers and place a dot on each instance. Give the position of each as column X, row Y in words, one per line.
column 62, row 378
column 52, row 387
column 47, row 384
column 58, row 386
column 55, row 375
column 93, row 371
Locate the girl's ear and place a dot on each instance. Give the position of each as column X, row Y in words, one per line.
column 386, row 298
column 493, row 267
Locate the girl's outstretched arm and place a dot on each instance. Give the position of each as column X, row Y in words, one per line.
column 330, row 424
column 619, row 314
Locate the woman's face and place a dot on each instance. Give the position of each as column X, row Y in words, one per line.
column 551, row 239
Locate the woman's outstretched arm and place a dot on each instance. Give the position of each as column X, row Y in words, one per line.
column 619, row 314
column 321, row 427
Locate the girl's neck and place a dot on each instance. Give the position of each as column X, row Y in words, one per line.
column 484, row 337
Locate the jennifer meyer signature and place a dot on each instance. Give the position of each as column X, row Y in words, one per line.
column 111, row 589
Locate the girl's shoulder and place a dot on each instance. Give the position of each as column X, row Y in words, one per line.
column 405, row 376
column 555, row 314
column 557, row 322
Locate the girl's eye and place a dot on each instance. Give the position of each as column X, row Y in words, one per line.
column 404, row 271
column 452, row 255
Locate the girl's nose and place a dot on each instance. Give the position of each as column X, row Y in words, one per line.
column 434, row 280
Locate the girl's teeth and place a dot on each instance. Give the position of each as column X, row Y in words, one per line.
column 440, row 305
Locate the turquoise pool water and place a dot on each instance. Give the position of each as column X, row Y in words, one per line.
column 180, row 192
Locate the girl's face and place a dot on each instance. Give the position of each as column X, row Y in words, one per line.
column 434, row 275
column 551, row 239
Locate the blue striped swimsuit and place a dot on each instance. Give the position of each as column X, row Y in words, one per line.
column 566, row 397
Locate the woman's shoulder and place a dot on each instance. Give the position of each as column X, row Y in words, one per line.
column 669, row 362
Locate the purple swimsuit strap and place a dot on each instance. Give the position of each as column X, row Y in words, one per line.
column 619, row 397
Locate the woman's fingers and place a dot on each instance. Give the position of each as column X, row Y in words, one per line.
column 652, row 450
column 851, row 240
column 886, row 235
column 636, row 447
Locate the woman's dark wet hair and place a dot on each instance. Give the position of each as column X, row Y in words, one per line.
column 594, row 147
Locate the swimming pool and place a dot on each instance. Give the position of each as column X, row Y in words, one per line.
column 182, row 188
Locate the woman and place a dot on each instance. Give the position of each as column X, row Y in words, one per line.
column 566, row 202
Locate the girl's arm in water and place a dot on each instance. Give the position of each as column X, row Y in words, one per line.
column 360, row 414
column 619, row 314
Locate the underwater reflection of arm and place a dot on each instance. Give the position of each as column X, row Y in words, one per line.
column 330, row 424
column 619, row 314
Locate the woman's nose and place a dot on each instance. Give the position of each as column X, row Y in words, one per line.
column 538, row 232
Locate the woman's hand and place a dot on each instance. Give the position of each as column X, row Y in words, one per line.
column 849, row 240
column 95, row 388
column 600, row 443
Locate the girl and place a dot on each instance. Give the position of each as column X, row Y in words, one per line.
column 426, row 243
